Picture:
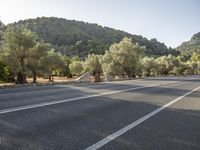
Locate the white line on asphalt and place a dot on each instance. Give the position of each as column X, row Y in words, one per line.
column 118, row 133
column 61, row 87
column 14, row 109
column 64, row 86
column 19, row 108
column 97, row 85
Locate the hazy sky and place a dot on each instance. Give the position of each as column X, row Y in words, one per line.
column 170, row 21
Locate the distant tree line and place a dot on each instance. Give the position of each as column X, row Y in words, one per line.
column 126, row 59
column 23, row 53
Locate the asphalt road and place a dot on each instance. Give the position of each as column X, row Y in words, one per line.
column 152, row 114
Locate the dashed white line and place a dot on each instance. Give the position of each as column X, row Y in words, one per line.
column 118, row 133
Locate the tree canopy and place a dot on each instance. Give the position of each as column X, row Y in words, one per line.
column 123, row 58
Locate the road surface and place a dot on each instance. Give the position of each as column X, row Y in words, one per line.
column 152, row 114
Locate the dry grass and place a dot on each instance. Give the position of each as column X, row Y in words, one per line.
column 42, row 80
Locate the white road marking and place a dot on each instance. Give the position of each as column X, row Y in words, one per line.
column 19, row 108
column 14, row 109
column 118, row 133
column 67, row 86
column 99, row 84
column 64, row 86
column 58, row 89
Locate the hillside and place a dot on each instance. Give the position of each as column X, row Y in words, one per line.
column 79, row 38
column 193, row 45
column 2, row 27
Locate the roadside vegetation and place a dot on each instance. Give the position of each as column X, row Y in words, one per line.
column 23, row 54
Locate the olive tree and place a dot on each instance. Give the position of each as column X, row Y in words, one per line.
column 76, row 68
column 51, row 63
column 17, row 50
column 123, row 58
column 92, row 65
column 149, row 66
column 36, row 57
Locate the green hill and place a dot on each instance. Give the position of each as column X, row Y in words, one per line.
column 79, row 38
column 193, row 45
column 2, row 28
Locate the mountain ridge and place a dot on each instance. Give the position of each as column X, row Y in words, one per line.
column 193, row 45
column 80, row 38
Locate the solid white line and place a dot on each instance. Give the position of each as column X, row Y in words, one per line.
column 19, row 108
column 111, row 137
column 14, row 109
column 60, row 86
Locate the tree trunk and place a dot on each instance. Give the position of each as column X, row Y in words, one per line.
column 34, row 76
column 50, row 79
column 149, row 73
column 21, row 78
column 97, row 77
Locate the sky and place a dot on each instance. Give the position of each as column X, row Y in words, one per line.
column 169, row 21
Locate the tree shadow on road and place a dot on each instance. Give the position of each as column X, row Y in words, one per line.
column 78, row 124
